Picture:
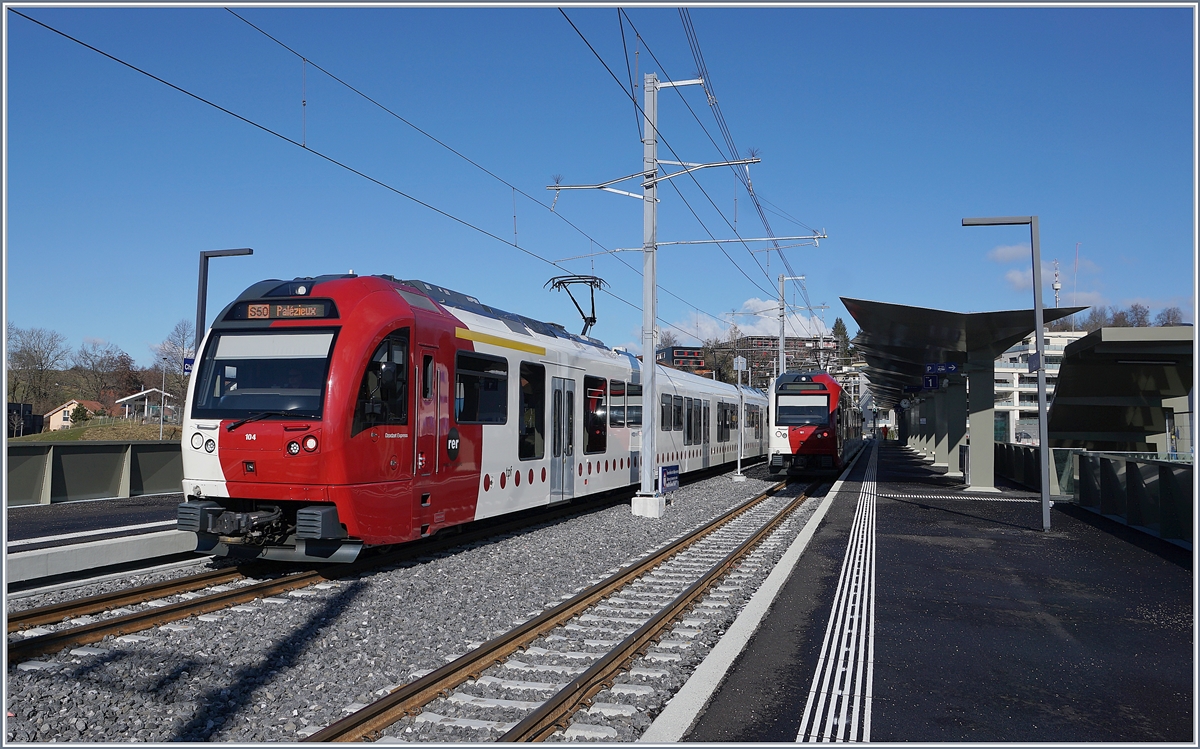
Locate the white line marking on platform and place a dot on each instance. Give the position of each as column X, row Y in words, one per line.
column 683, row 710
column 838, row 688
column 84, row 534
column 956, row 496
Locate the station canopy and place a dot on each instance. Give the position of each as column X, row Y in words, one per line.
column 1118, row 386
column 897, row 341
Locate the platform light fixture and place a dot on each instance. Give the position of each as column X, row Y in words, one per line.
column 202, row 290
column 1040, row 352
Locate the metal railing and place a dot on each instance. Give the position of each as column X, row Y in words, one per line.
column 1154, row 496
column 46, row 472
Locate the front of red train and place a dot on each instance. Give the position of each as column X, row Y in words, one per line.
column 267, row 455
column 804, row 437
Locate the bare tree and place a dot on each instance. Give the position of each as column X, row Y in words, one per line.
column 1139, row 315
column 34, row 357
column 127, row 378
column 96, row 364
column 1168, row 317
column 1097, row 317
column 667, row 339
column 1120, row 318
column 171, row 354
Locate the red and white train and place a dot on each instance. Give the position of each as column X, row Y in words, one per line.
column 815, row 426
column 332, row 413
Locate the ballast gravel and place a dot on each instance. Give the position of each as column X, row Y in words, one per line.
column 281, row 668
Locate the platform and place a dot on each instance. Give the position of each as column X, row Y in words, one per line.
column 920, row 612
column 69, row 539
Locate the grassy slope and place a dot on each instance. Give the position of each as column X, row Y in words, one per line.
column 120, row 432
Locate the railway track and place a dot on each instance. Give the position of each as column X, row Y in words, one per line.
column 89, row 632
column 556, row 664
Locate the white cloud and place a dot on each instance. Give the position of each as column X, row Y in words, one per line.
column 766, row 322
column 1020, row 280
column 1010, row 253
column 1083, row 299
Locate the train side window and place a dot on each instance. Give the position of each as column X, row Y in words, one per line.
column 616, row 403
column 695, row 418
column 679, row 413
column 633, row 405
column 569, row 445
column 383, row 392
column 758, row 423
column 532, row 438
column 480, row 389
column 666, row 419
column 557, row 439
column 427, row 377
column 707, row 423
column 595, row 416
column 687, row 430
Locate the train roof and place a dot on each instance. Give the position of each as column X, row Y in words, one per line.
column 517, row 323
column 798, row 380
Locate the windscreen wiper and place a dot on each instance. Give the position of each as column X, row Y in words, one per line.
column 258, row 416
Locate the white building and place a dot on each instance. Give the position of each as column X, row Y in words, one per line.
column 1016, row 387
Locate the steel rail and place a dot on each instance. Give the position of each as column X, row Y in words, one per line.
column 140, row 620
column 53, row 613
column 367, row 723
column 556, row 712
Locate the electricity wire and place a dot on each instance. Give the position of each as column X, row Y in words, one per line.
column 323, row 156
column 470, row 161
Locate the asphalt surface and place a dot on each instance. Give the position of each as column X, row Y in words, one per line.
column 986, row 628
column 62, row 518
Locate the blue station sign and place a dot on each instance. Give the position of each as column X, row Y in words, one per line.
column 941, row 368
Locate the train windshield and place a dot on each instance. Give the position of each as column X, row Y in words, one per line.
column 244, row 374
column 802, row 410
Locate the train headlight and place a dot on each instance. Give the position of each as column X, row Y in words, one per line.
column 210, row 445
column 197, row 441
column 293, row 448
column 310, row 443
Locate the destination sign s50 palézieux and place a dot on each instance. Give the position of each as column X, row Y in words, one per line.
column 315, row 309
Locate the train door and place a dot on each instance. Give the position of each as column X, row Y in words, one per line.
column 707, row 450
column 562, row 441
column 428, row 424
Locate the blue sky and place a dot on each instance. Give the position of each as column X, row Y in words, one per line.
column 882, row 127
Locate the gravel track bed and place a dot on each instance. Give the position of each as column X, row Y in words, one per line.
column 281, row 668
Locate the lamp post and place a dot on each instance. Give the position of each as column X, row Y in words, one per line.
column 202, row 289
column 163, row 406
column 1040, row 355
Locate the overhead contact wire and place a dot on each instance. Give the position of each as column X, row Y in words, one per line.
column 465, row 158
column 326, row 157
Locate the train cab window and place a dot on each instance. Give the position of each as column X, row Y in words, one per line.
column 595, row 414
column 666, row 420
column 383, row 393
column 633, row 405
column 616, row 403
column 802, row 410
column 678, row 413
column 480, row 389
column 531, row 443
